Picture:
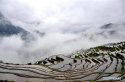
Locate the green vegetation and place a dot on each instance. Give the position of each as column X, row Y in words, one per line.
column 100, row 50
column 5, row 81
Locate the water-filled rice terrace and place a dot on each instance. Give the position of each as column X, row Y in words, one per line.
column 92, row 65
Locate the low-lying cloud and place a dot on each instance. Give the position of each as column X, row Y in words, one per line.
column 67, row 26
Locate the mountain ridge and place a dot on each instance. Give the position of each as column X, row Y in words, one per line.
column 91, row 52
column 86, row 65
column 8, row 29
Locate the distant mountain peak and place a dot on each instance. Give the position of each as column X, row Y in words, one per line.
column 4, row 20
column 8, row 29
column 107, row 26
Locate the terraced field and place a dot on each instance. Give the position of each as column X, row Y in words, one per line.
column 106, row 62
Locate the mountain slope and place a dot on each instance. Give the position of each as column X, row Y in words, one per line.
column 8, row 29
column 97, row 51
column 91, row 64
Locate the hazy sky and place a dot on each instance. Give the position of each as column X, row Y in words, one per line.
column 52, row 12
column 63, row 22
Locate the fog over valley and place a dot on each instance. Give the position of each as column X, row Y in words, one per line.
column 32, row 30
